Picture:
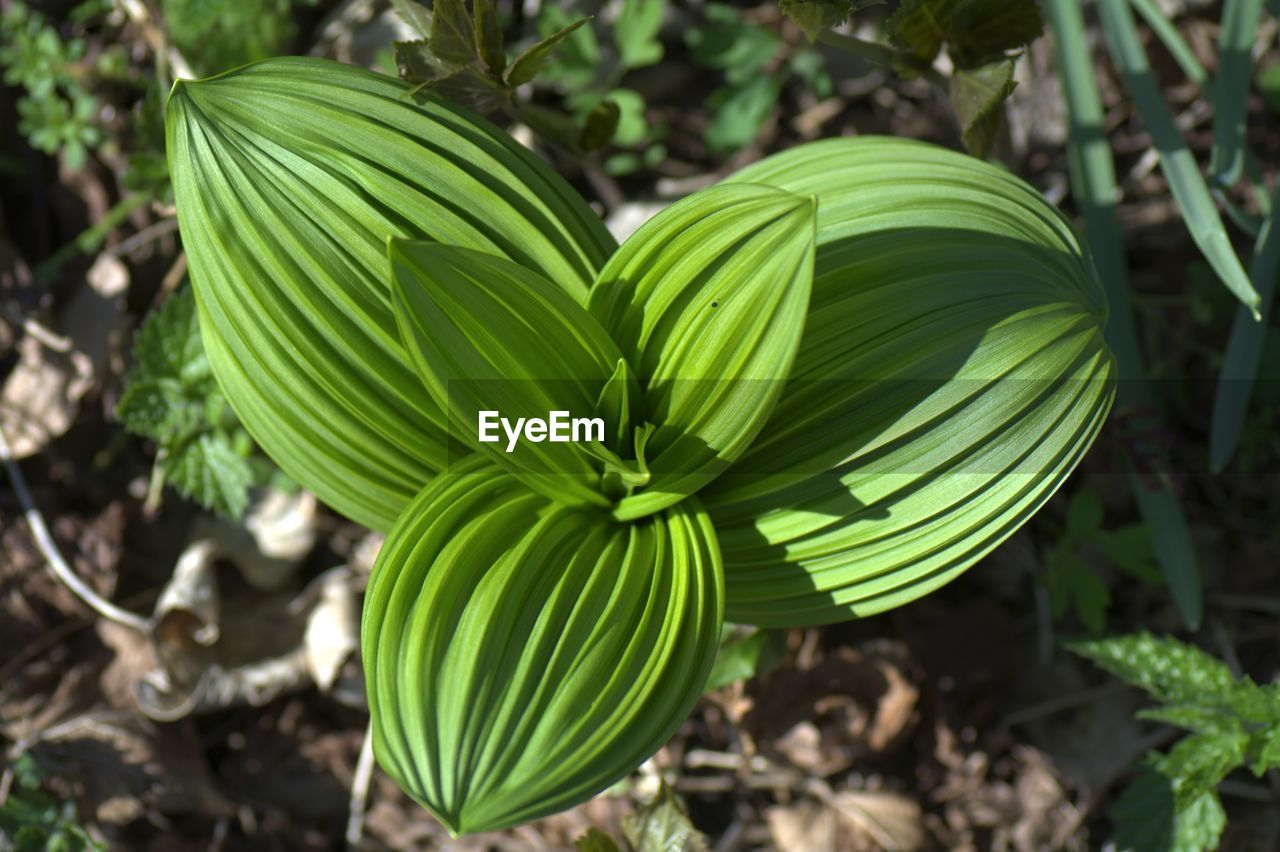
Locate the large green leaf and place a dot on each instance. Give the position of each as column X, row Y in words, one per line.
column 707, row 302
column 524, row 656
column 289, row 175
column 488, row 335
column 952, row 373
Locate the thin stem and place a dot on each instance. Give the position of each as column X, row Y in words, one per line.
column 878, row 54
column 360, row 790
column 47, row 547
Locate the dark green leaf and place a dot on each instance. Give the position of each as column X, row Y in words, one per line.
column 982, row 31
column 921, row 26
column 1084, row 513
column 1147, row 819
column 814, row 16
column 527, row 65
column 1268, row 83
column 489, row 37
column 453, row 36
column 416, row 63
column 978, row 96
column 600, row 126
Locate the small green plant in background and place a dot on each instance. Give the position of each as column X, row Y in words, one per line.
column 217, row 35
column 1072, row 581
column 755, row 68
column 1234, row 723
column 58, row 113
column 32, row 820
column 171, row 398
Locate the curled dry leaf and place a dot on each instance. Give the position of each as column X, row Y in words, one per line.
column 852, row 703
column 894, row 821
column 205, row 655
column 42, row 394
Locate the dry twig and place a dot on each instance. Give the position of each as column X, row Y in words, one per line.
column 49, row 549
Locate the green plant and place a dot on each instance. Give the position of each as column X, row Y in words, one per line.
column 172, row 398
column 1072, row 581
column 823, row 388
column 58, row 113
column 215, row 35
column 31, row 820
column 1173, row 804
column 1095, row 188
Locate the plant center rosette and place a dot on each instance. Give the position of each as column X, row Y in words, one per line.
column 811, row 393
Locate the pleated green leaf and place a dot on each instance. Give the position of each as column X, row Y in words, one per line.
column 707, row 302
column 951, row 375
column 524, row 656
column 498, row 345
column 289, row 175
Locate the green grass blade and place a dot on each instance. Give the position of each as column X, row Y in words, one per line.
column 1094, row 187
column 1173, row 41
column 1176, row 160
column 1244, row 350
column 1235, row 59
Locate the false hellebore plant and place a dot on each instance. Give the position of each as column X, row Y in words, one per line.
column 828, row 385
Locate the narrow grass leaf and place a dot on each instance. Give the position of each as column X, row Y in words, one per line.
column 1093, row 182
column 1240, row 20
column 1244, row 349
column 1176, row 160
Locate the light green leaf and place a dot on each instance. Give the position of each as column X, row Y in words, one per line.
column 740, row 112
column 1240, row 19
column 707, row 302
column 527, row 65
column 595, row 840
column 288, row 177
column 978, row 96
column 523, row 657
column 1171, row 671
column 636, row 32
column 952, row 373
column 209, row 471
column 488, row 335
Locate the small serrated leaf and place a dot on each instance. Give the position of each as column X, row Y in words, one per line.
column 921, row 26
column 1170, row 670
column 1197, row 762
column 1147, row 819
column 982, row 31
column 210, row 471
column 527, row 65
column 414, row 14
column 453, row 37
column 814, row 16
column 978, row 95
column 417, row 64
